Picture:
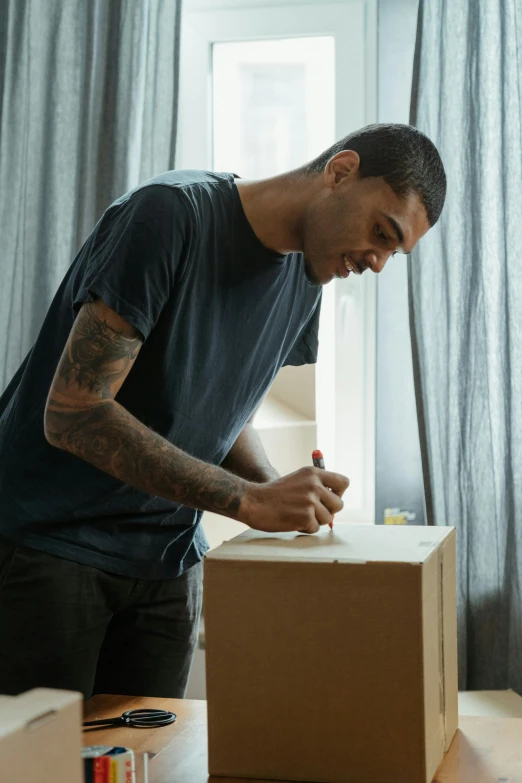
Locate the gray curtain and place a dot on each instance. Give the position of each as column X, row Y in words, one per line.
column 466, row 319
column 88, row 109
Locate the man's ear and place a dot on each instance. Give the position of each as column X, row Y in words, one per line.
column 339, row 167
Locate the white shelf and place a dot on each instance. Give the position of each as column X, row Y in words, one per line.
column 274, row 414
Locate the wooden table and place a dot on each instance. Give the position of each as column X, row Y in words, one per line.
column 485, row 750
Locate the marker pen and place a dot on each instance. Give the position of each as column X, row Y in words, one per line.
column 318, row 462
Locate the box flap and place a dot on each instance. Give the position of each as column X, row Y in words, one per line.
column 346, row 543
column 30, row 708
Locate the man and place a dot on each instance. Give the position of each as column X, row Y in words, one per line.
column 131, row 414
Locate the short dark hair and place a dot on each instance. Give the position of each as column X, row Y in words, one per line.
column 403, row 156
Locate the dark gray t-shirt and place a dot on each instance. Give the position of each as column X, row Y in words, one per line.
column 219, row 313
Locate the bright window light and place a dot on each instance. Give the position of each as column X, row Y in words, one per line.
column 273, row 104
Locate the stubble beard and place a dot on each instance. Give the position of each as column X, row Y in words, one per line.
column 311, row 275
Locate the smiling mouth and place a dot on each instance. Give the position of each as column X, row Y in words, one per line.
column 351, row 266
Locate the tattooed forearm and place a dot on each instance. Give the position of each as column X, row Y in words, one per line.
column 82, row 417
column 98, row 356
column 110, row 438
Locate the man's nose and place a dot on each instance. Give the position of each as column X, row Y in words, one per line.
column 377, row 261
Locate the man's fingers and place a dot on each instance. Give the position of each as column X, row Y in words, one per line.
column 322, row 512
column 312, row 527
column 331, row 501
column 334, row 481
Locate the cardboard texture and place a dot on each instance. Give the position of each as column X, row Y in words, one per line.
column 332, row 658
column 41, row 737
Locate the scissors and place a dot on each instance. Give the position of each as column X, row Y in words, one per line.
column 138, row 719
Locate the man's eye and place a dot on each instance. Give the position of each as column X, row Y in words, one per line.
column 381, row 234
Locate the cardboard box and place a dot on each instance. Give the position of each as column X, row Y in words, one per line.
column 332, row 657
column 41, row 737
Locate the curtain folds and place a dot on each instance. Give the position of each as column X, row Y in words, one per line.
column 88, row 109
column 465, row 288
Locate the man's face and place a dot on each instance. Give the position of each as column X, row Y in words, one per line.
column 355, row 223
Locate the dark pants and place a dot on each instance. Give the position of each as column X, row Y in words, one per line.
column 65, row 625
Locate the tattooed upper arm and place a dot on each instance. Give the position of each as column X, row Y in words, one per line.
column 82, row 417
column 99, row 354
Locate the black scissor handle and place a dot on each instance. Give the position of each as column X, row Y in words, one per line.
column 139, row 719
column 148, row 718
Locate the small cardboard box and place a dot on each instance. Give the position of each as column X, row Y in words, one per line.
column 332, row 657
column 41, row 737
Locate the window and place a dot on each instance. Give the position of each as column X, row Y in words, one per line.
column 273, row 104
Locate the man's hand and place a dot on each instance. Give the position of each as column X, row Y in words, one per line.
column 302, row 501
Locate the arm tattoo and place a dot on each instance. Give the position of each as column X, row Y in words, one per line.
column 112, row 439
column 97, row 356
column 83, row 418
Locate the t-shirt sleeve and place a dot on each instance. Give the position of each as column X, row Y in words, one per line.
column 134, row 256
column 304, row 350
